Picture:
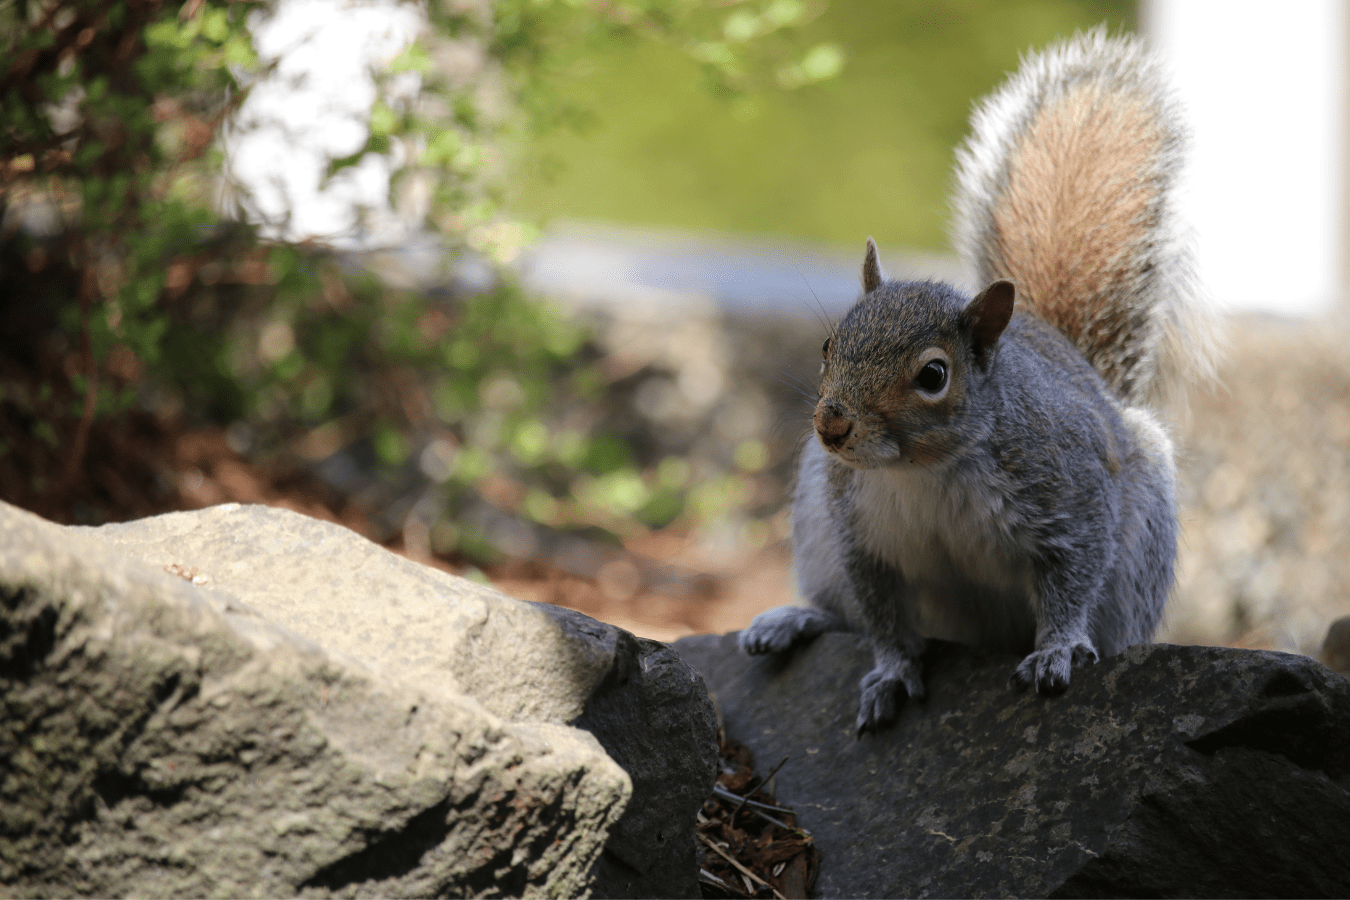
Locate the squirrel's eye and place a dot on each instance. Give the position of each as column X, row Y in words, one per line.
column 932, row 376
column 825, row 348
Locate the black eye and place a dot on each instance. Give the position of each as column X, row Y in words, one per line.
column 825, row 348
column 932, row 376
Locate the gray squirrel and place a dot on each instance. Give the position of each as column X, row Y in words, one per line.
column 993, row 471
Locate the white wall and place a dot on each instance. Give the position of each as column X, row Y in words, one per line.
column 1263, row 84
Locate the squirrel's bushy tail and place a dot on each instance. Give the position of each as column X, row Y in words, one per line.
column 1067, row 187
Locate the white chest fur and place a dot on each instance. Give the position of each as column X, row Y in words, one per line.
column 969, row 580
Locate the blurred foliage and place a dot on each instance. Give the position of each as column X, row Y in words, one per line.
column 442, row 140
column 107, row 111
column 868, row 152
column 125, row 288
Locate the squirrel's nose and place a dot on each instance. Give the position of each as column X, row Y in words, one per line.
column 832, row 425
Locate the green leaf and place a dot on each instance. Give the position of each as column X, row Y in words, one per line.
column 741, row 26
column 383, row 120
column 822, row 62
column 215, row 25
column 472, row 463
column 162, row 33
column 530, row 442
column 442, row 145
column 661, row 509
column 390, row 446
column 714, row 53
column 623, row 490
column 784, row 13
column 606, row 453
column 239, row 52
column 413, row 59
column 43, row 431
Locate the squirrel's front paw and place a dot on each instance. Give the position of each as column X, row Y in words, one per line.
column 778, row 629
column 1049, row 669
column 883, row 690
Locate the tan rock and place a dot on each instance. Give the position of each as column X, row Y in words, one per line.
column 246, row 701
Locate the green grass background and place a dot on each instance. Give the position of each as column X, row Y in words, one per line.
column 869, row 152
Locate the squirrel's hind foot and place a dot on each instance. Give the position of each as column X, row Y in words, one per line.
column 1048, row 669
column 783, row 627
column 884, row 690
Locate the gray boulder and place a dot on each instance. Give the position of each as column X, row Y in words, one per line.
column 1164, row 771
column 246, row 701
column 525, row 662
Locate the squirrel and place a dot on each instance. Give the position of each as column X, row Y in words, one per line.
column 993, row 471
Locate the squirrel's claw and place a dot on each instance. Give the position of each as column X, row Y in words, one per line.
column 1049, row 668
column 880, row 702
column 884, row 690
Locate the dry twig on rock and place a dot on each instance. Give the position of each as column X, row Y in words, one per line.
column 755, row 855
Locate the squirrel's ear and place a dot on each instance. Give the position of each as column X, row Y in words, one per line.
column 988, row 314
column 871, row 273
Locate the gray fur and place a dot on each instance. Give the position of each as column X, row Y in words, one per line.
column 1021, row 506
column 872, row 277
column 1052, row 534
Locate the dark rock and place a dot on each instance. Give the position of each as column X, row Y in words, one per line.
column 652, row 715
column 1164, row 771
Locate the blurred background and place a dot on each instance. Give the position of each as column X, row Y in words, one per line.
column 534, row 290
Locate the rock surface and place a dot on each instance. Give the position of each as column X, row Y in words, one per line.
column 1165, row 771
column 245, row 701
column 525, row 662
